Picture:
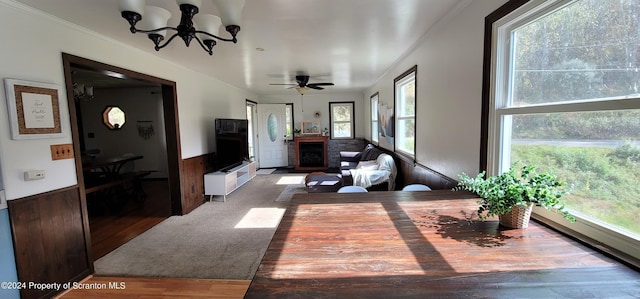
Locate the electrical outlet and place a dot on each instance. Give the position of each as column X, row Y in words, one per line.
column 61, row 151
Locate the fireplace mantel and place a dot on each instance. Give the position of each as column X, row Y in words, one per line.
column 312, row 153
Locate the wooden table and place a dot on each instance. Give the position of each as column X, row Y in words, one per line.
column 425, row 244
column 109, row 175
column 110, row 165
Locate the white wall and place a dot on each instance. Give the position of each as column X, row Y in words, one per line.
column 319, row 102
column 449, row 89
column 30, row 53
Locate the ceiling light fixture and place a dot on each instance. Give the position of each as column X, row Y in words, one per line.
column 207, row 25
column 302, row 91
column 82, row 92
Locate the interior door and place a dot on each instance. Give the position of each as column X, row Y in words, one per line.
column 272, row 135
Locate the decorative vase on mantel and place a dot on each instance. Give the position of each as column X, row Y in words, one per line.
column 518, row 217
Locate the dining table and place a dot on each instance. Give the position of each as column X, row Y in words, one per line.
column 109, row 165
column 102, row 173
column 426, row 244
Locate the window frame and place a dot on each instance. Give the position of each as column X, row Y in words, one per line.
column 351, row 105
column 401, row 80
column 495, row 126
column 374, row 101
column 108, row 122
column 292, row 123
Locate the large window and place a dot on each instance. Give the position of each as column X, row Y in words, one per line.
column 374, row 118
column 405, row 103
column 566, row 97
column 341, row 119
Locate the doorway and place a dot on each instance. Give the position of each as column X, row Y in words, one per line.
column 112, row 205
column 272, row 135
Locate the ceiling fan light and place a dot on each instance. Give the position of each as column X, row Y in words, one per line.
column 230, row 11
column 136, row 6
column 207, row 23
column 155, row 17
column 302, row 90
column 196, row 3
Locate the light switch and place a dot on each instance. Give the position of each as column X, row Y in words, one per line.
column 31, row 175
column 61, row 151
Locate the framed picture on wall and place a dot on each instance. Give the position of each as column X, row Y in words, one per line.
column 34, row 109
column 310, row 128
column 386, row 126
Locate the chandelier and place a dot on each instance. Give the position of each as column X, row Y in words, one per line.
column 203, row 28
column 82, row 92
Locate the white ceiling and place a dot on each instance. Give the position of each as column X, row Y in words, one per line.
column 348, row 42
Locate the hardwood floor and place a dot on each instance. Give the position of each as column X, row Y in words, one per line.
column 158, row 288
column 112, row 228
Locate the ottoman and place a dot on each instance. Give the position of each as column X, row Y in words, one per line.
column 323, row 182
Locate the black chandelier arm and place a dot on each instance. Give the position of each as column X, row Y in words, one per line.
column 158, row 46
column 136, row 30
column 234, row 40
column 207, row 46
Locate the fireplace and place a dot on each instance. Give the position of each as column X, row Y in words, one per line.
column 311, row 153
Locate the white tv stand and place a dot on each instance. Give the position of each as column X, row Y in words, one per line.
column 223, row 183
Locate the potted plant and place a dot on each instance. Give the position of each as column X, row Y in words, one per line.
column 512, row 194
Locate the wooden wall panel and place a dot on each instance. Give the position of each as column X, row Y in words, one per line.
column 192, row 181
column 49, row 239
column 412, row 173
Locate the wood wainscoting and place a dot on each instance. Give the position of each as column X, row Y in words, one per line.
column 414, row 173
column 192, row 180
column 50, row 242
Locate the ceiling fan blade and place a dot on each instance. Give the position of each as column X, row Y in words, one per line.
column 320, row 84
column 315, row 87
column 282, row 84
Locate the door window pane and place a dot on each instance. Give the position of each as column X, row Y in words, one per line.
column 272, row 127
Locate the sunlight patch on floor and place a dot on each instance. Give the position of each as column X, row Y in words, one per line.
column 261, row 218
column 291, row 180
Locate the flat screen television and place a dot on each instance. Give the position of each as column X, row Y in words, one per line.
column 232, row 142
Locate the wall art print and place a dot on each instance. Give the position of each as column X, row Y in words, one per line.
column 34, row 109
column 386, row 125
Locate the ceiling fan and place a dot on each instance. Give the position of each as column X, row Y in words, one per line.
column 303, row 84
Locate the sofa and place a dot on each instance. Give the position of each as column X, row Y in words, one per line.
column 371, row 168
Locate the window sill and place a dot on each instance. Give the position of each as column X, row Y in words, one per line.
column 610, row 242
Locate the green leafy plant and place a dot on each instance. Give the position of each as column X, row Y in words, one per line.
column 518, row 186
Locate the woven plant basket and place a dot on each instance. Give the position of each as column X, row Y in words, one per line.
column 518, row 217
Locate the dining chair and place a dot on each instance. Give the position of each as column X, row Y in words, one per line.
column 352, row 189
column 416, row 187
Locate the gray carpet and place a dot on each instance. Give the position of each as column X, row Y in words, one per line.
column 223, row 240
